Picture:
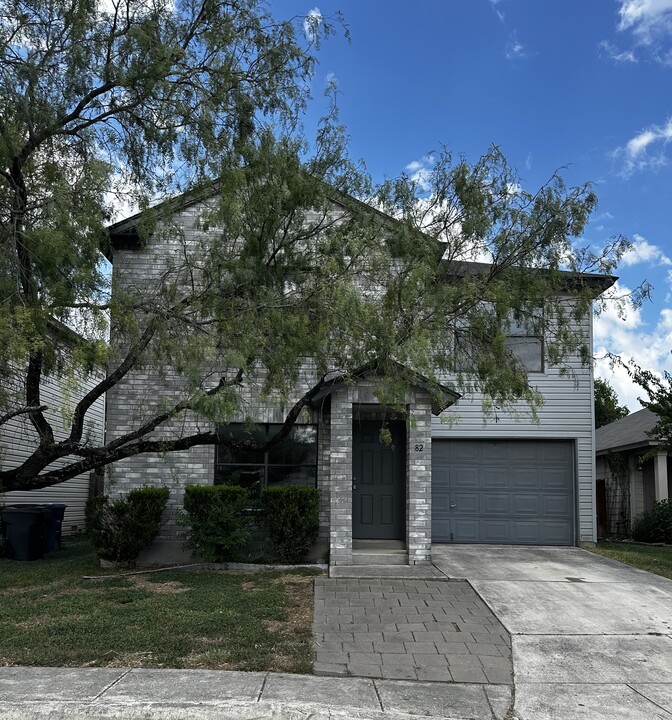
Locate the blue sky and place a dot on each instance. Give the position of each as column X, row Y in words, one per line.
column 580, row 86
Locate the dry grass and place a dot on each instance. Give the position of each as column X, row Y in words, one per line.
column 51, row 616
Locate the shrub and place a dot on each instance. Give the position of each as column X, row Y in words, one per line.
column 219, row 526
column 292, row 516
column 121, row 529
column 654, row 525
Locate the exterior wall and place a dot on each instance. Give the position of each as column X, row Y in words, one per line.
column 18, row 440
column 566, row 414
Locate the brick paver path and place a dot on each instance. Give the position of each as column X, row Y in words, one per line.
column 408, row 629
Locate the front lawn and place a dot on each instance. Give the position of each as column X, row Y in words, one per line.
column 50, row 616
column 656, row 560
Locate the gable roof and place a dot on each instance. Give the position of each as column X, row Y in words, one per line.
column 124, row 234
column 442, row 396
column 628, row 433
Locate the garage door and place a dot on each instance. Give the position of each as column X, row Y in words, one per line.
column 503, row 491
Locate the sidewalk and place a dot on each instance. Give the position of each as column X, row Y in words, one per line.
column 131, row 694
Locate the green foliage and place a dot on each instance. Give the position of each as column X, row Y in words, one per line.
column 607, row 408
column 97, row 102
column 121, row 529
column 292, row 516
column 655, row 525
column 659, row 391
column 217, row 520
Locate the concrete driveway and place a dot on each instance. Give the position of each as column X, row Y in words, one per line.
column 592, row 638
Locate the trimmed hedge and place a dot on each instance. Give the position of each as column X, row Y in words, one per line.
column 217, row 521
column 121, row 529
column 292, row 517
column 655, row 525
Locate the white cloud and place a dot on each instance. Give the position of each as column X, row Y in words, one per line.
column 498, row 12
column 646, row 18
column 649, row 24
column 646, row 150
column 420, row 171
column 631, row 338
column 311, row 24
column 643, row 252
column 515, row 50
column 613, row 52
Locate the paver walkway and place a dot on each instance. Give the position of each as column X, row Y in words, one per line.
column 408, row 629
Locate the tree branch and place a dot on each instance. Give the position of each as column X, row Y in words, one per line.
column 22, row 411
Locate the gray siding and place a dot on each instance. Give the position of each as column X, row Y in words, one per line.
column 18, row 439
column 567, row 413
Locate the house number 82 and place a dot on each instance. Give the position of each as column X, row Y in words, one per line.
column 419, row 447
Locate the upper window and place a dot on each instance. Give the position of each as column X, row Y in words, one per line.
column 292, row 462
column 525, row 342
column 526, row 347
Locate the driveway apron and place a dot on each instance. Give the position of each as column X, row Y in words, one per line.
column 591, row 637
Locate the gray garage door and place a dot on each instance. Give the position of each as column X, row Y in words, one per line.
column 503, row 491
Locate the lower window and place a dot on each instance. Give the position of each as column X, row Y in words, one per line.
column 292, row 462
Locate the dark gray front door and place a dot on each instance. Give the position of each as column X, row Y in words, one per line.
column 518, row 492
column 378, row 483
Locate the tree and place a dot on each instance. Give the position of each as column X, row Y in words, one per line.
column 607, row 408
column 300, row 254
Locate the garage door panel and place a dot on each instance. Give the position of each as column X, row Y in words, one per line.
column 525, row 533
column 493, row 477
column 503, row 491
column 495, row 531
column 525, row 452
column 556, row 478
column 556, row 505
column 557, row 534
column 465, row 530
column 495, row 451
column 558, row 452
column 461, row 476
column 524, row 479
column 494, row 504
column 463, row 453
column 529, row 504
column 440, row 502
column 465, row 503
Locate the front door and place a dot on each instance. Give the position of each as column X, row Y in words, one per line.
column 378, row 482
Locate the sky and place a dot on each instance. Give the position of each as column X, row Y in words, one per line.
column 583, row 87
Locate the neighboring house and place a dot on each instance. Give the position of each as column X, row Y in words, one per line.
column 627, row 482
column 18, row 439
column 449, row 476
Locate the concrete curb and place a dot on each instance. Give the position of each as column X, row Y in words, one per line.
column 130, row 694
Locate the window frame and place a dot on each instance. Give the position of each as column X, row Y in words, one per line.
column 265, row 464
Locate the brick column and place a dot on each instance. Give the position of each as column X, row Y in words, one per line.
column 419, row 480
column 340, row 505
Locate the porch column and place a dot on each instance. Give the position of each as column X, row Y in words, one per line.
column 419, row 480
column 660, row 475
column 340, row 509
column 632, row 470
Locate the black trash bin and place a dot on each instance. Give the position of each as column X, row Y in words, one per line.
column 23, row 529
column 56, row 524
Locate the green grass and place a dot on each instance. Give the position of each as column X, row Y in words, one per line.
column 656, row 560
column 51, row 616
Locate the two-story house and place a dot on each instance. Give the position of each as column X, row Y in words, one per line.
column 448, row 476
